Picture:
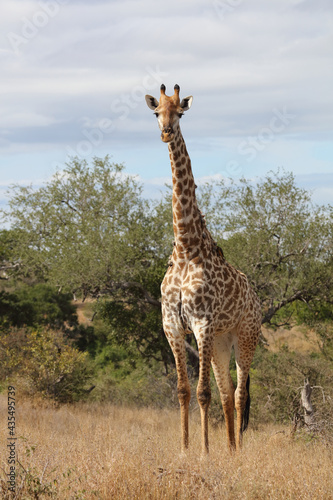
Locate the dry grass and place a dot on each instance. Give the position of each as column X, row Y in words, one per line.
column 298, row 338
column 106, row 452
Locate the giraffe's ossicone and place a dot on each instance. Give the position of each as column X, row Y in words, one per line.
column 203, row 294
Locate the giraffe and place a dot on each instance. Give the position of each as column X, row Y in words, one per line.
column 203, row 294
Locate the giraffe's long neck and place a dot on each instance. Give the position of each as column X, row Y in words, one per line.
column 187, row 221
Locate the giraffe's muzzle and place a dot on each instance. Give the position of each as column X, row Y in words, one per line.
column 167, row 134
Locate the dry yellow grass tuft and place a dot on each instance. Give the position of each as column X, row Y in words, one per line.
column 106, row 452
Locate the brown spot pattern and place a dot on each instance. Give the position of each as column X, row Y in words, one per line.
column 203, row 294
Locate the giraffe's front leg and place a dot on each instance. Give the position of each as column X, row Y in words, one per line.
column 177, row 344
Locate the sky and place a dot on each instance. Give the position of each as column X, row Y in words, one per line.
column 74, row 74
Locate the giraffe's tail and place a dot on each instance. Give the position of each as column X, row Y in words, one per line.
column 246, row 414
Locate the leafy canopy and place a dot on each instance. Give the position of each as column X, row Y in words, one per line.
column 85, row 230
column 273, row 233
column 89, row 231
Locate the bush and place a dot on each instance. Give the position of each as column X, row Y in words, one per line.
column 277, row 380
column 44, row 363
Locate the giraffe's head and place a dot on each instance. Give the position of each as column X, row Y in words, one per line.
column 168, row 110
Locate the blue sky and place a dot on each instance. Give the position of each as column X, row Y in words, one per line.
column 74, row 74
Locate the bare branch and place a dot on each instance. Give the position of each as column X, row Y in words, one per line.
column 273, row 309
column 66, row 202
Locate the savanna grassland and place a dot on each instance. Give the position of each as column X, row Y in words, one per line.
column 100, row 451
column 96, row 407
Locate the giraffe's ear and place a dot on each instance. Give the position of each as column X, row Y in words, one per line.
column 152, row 103
column 186, row 103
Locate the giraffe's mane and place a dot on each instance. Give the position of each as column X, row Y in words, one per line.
column 214, row 246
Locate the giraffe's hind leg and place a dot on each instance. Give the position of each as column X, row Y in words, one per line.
column 245, row 346
column 220, row 362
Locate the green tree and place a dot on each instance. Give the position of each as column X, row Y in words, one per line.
column 36, row 305
column 8, row 264
column 274, row 233
column 89, row 231
column 133, row 307
column 81, row 229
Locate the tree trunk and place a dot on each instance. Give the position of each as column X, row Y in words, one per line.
column 193, row 357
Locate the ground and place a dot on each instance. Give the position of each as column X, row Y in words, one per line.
column 102, row 451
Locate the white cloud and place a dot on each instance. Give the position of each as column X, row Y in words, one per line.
column 92, row 61
column 17, row 119
column 214, row 178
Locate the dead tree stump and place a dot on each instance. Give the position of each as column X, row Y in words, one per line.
column 309, row 416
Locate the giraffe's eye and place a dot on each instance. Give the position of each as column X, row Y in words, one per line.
column 180, row 115
column 156, row 114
